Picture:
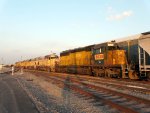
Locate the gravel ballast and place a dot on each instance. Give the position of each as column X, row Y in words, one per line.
column 51, row 99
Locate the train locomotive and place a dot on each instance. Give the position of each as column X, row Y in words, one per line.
column 46, row 63
column 125, row 58
column 108, row 60
column 76, row 61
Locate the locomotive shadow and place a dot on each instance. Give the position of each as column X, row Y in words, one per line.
column 66, row 93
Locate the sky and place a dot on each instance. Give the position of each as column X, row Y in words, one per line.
column 32, row 28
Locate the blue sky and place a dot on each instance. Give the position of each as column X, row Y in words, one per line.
column 31, row 28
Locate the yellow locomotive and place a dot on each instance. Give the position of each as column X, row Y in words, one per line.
column 108, row 60
column 105, row 59
column 47, row 63
column 76, row 61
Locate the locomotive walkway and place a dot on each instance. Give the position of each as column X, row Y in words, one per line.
column 13, row 99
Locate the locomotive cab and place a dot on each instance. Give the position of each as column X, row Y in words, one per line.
column 108, row 60
column 52, row 62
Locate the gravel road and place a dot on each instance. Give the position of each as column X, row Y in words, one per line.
column 13, row 99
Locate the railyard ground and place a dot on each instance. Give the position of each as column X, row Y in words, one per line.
column 30, row 93
column 51, row 99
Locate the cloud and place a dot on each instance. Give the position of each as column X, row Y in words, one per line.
column 120, row 16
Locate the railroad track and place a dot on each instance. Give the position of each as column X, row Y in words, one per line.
column 133, row 86
column 115, row 100
column 108, row 80
column 119, row 82
column 117, row 85
column 122, row 81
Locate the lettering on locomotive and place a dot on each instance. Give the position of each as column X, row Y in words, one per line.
column 99, row 56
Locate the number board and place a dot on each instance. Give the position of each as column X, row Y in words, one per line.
column 99, row 56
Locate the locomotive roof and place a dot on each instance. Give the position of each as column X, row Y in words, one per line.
column 103, row 44
column 86, row 48
column 51, row 55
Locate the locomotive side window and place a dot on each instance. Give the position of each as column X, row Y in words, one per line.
column 97, row 51
column 100, row 50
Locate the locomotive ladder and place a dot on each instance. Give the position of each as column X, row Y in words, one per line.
column 142, row 62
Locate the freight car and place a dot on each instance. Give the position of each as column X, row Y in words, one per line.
column 138, row 54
